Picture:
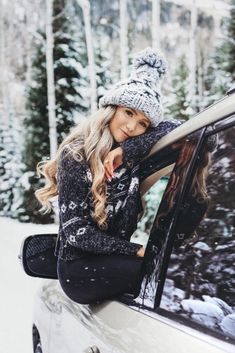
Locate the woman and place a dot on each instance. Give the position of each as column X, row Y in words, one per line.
column 95, row 174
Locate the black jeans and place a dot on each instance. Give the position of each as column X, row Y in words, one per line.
column 95, row 278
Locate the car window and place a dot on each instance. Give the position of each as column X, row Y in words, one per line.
column 148, row 226
column 200, row 281
column 150, row 201
column 155, row 172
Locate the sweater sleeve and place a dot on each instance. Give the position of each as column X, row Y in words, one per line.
column 136, row 148
column 80, row 229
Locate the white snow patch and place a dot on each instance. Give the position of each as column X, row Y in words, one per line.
column 207, row 313
column 228, row 325
column 17, row 289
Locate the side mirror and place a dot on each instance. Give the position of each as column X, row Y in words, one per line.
column 37, row 256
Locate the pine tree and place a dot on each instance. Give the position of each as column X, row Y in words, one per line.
column 104, row 76
column 223, row 67
column 227, row 51
column 70, row 62
column 36, row 139
column 2, row 151
column 180, row 106
column 70, row 68
column 11, row 167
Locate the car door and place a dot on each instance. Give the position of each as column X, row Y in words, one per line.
column 191, row 287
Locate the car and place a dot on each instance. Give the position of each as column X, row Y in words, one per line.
column 185, row 298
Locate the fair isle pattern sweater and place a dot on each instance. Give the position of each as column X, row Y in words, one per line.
column 78, row 232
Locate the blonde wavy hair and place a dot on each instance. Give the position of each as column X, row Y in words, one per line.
column 91, row 140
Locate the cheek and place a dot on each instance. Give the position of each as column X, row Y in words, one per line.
column 139, row 131
column 117, row 121
column 112, row 125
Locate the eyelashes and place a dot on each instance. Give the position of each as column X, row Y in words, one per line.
column 142, row 123
column 129, row 111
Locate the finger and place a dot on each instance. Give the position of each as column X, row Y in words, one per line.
column 108, row 176
column 111, row 165
column 107, row 173
column 109, row 168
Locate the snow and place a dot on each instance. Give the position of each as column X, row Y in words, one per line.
column 207, row 313
column 17, row 289
column 202, row 246
column 228, row 325
column 219, row 302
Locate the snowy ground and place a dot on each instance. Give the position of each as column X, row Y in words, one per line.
column 17, row 289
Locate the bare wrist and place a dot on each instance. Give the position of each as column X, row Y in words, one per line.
column 141, row 252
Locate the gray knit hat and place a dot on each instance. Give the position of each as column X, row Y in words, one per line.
column 142, row 90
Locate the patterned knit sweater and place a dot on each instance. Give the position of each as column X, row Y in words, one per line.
column 78, row 232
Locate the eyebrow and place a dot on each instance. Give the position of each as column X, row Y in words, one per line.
column 133, row 110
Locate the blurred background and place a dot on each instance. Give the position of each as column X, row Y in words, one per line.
column 58, row 57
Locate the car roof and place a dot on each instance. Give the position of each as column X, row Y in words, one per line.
column 222, row 108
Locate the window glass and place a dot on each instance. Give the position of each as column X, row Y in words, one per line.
column 200, row 283
column 148, row 226
column 151, row 201
column 155, row 171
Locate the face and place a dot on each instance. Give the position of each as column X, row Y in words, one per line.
column 128, row 122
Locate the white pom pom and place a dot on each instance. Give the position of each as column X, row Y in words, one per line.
column 149, row 64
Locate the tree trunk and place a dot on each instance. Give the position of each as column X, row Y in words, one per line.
column 156, row 10
column 4, row 69
column 85, row 5
column 192, row 57
column 50, row 79
column 28, row 45
column 123, row 39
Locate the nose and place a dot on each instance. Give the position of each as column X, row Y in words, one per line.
column 131, row 125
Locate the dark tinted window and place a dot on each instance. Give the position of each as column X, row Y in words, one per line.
column 152, row 221
column 200, row 282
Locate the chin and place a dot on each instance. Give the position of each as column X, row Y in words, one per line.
column 119, row 139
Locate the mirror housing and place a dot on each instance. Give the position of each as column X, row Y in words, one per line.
column 37, row 256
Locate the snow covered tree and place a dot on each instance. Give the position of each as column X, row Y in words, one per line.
column 221, row 64
column 70, row 85
column 180, row 107
column 36, row 136
column 104, row 75
column 50, row 79
column 226, row 52
column 11, row 167
column 85, row 6
column 2, row 151
column 123, row 39
column 70, row 62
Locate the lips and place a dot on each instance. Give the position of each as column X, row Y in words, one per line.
column 125, row 133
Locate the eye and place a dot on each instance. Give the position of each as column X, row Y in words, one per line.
column 145, row 125
column 129, row 112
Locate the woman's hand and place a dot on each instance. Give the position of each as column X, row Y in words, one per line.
column 141, row 252
column 112, row 161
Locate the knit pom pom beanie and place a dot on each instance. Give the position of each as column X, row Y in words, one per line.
column 142, row 90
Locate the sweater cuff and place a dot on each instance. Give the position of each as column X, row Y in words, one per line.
column 132, row 249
